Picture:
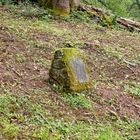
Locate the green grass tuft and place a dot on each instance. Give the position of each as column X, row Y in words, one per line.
column 77, row 100
column 133, row 88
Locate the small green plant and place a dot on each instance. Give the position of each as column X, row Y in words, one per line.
column 107, row 133
column 6, row 2
column 77, row 16
column 57, row 88
column 77, row 100
column 37, row 113
column 44, row 134
column 34, row 11
column 20, row 58
column 9, row 130
column 133, row 88
column 5, row 101
column 72, row 130
column 74, row 99
column 129, row 128
column 42, row 62
column 80, row 16
column 108, row 21
column 113, row 52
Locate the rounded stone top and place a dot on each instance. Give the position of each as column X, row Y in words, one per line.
column 58, row 54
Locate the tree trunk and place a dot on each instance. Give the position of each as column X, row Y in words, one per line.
column 60, row 7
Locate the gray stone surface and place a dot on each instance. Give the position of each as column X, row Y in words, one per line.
column 69, row 70
column 79, row 69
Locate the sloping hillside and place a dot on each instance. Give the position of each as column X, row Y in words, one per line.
column 30, row 108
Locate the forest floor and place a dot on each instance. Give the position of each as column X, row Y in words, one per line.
column 32, row 109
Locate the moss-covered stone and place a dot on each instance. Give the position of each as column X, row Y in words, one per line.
column 62, row 7
column 69, row 69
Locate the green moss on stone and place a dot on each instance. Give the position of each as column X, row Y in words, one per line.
column 71, row 54
column 61, row 11
column 61, row 8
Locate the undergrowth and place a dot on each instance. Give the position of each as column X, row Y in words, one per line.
column 17, row 112
column 32, row 114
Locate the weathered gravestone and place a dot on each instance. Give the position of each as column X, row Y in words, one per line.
column 69, row 70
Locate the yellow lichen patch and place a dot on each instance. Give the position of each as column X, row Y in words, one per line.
column 70, row 55
column 61, row 8
column 61, row 11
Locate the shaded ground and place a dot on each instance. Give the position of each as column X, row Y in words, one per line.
column 26, row 50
